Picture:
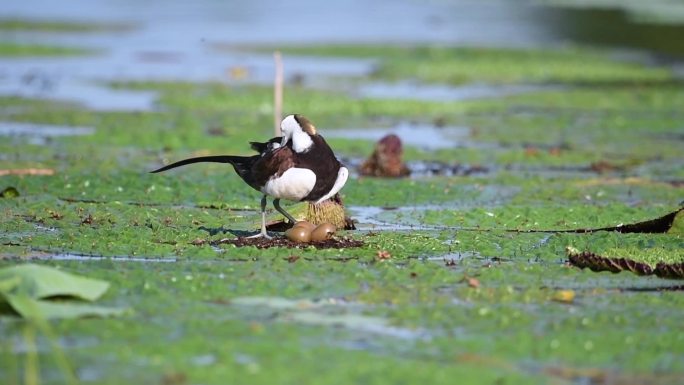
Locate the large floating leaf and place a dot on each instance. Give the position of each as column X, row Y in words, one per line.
column 31, row 308
column 668, row 223
column 30, row 291
column 42, row 282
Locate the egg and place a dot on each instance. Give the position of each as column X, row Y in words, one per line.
column 307, row 225
column 298, row 234
column 323, row 231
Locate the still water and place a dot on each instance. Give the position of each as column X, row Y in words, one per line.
column 196, row 40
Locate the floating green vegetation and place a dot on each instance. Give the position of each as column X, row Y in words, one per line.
column 459, row 65
column 17, row 24
column 452, row 281
column 548, row 217
column 572, row 127
column 8, row 49
column 656, row 11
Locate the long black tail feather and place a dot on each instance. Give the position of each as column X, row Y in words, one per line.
column 214, row 158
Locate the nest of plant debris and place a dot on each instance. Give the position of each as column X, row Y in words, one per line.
column 263, row 243
column 328, row 211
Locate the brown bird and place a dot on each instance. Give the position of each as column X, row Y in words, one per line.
column 386, row 159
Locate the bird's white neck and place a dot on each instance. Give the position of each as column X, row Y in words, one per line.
column 301, row 141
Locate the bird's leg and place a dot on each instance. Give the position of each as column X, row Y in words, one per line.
column 276, row 204
column 263, row 232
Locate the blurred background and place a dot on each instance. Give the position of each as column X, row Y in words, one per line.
column 206, row 39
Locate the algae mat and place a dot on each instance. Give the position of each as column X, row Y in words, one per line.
column 457, row 277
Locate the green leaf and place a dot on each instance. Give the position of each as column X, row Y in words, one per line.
column 8, row 284
column 42, row 282
column 31, row 308
column 29, row 290
column 677, row 224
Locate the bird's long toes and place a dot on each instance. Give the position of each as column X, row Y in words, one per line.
column 260, row 235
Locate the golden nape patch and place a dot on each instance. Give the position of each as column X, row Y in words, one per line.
column 306, row 125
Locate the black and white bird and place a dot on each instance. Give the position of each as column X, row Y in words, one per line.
column 299, row 166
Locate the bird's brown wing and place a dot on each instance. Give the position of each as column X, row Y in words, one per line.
column 273, row 164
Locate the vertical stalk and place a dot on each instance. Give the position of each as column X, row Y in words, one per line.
column 31, row 368
column 278, row 92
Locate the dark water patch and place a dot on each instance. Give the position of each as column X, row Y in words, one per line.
column 656, row 289
column 614, row 28
column 428, row 168
column 434, row 168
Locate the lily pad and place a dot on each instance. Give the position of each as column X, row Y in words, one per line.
column 662, row 224
column 668, row 223
column 31, row 291
column 43, row 282
column 31, row 308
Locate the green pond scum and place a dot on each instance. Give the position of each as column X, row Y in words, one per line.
column 11, row 49
column 54, row 26
column 461, row 278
